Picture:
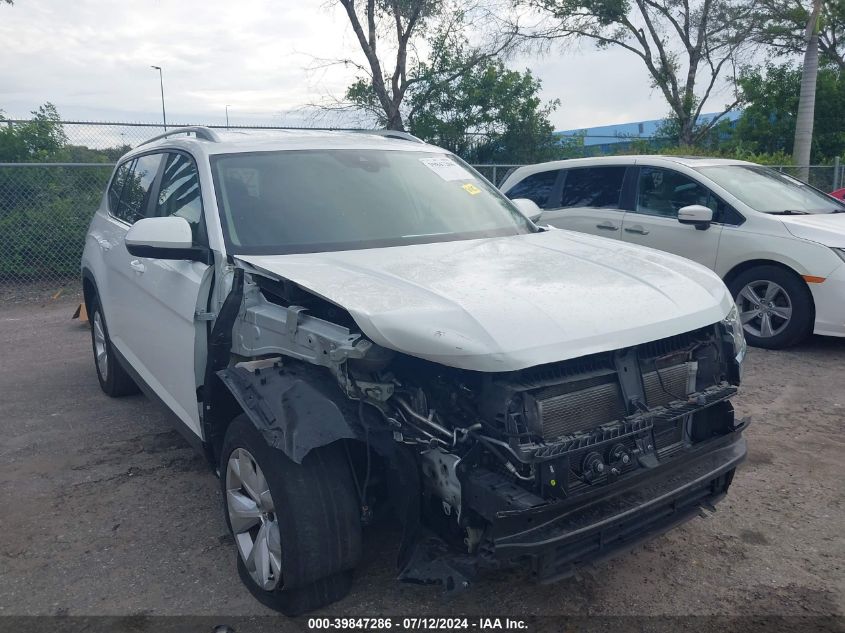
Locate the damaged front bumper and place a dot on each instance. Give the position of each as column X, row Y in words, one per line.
column 556, row 539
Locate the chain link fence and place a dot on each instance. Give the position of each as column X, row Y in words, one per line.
column 44, row 214
column 45, row 207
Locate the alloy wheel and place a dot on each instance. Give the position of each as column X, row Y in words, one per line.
column 100, row 347
column 765, row 308
column 252, row 515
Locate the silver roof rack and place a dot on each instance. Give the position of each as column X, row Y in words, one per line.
column 207, row 134
column 200, row 131
column 403, row 136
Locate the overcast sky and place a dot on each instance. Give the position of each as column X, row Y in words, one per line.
column 92, row 59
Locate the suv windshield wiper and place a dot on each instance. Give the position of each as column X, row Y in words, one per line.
column 788, row 212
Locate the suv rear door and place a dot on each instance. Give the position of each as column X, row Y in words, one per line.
column 589, row 200
column 653, row 220
column 159, row 333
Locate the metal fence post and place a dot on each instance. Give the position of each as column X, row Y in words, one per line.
column 837, row 174
column 496, row 182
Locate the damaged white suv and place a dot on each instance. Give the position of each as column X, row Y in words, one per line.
column 352, row 325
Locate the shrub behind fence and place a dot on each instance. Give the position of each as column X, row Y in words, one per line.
column 44, row 214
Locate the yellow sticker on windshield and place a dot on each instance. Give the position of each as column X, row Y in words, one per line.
column 471, row 189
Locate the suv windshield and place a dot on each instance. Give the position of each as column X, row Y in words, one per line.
column 302, row 201
column 768, row 191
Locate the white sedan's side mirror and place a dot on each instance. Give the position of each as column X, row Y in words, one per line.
column 528, row 208
column 163, row 238
column 696, row 214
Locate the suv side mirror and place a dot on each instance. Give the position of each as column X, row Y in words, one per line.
column 528, row 208
column 164, row 238
column 696, row 214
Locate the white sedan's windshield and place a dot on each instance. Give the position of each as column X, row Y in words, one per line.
column 324, row 200
column 768, row 191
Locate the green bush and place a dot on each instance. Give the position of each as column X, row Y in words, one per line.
column 44, row 215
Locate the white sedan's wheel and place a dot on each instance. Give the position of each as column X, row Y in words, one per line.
column 764, row 308
column 775, row 306
column 252, row 515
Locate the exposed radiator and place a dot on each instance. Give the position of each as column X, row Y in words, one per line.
column 585, row 408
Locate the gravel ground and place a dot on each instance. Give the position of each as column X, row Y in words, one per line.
column 105, row 510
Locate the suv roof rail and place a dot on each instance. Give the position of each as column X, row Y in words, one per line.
column 403, row 136
column 200, row 131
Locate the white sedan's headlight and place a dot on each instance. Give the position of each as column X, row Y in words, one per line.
column 734, row 326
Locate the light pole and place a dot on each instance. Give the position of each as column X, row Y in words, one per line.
column 227, row 116
column 161, row 82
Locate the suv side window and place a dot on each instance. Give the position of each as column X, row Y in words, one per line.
column 136, row 192
column 179, row 193
column 116, row 186
column 599, row 187
column 537, row 187
column 663, row 192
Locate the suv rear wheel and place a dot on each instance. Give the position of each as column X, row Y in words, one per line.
column 775, row 306
column 296, row 527
column 113, row 378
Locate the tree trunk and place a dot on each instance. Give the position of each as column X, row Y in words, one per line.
column 807, row 100
column 686, row 135
column 394, row 119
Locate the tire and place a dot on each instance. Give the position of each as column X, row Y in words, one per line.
column 775, row 306
column 114, row 380
column 308, row 514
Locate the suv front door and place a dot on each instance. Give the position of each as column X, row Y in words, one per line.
column 589, row 201
column 163, row 339
column 654, row 222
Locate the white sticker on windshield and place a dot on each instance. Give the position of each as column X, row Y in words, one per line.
column 447, row 169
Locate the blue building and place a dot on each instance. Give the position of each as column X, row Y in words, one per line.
column 604, row 139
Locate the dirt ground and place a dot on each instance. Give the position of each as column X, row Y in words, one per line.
column 105, row 510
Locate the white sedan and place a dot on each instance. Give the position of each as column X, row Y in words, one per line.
column 778, row 243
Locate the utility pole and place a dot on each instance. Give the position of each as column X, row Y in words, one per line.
column 161, row 83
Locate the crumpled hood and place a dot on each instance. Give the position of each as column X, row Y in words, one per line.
column 824, row 228
column 503, row 304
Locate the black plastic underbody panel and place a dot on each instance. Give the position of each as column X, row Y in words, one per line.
column 558, row 538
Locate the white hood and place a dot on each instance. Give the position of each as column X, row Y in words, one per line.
column 824, row 228
column 503, row 304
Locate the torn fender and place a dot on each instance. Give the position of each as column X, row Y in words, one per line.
column 293, row 412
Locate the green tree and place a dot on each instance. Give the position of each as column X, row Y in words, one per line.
column 782, row 25
column 492, row 114
column 687, row 46
column 427, row 42
column 770, row 106
column 39, row 139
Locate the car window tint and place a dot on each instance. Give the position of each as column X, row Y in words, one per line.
column 136, row 193
column 536, row 187
column 599, row 187
column 663, row 192
column 116, row 187
column 179, row 194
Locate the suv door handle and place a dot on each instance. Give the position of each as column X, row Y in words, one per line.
column 638, row 229
column 137, row 266
column 607, row 226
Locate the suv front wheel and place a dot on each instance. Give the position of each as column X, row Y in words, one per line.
column 296, row 527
